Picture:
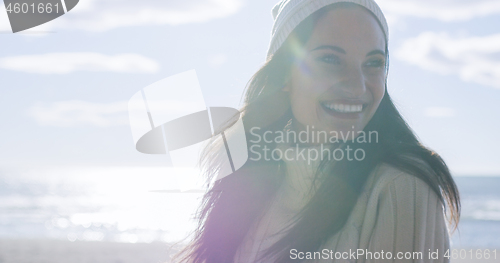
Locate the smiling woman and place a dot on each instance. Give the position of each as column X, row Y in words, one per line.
column 326, row 70
column 338, row 81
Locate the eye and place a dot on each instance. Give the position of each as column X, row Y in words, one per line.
column 329, row 59
column 376, row 63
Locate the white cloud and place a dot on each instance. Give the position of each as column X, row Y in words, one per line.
column 103, row 15
column 78, row 113
column 82, row 113
column 217, row 60
column 439, row 112
column 444, row 10
column 63, row 63
column 473, row 59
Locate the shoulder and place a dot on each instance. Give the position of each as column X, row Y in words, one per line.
column 388, row 183
column 391, row 195
column 403, row 214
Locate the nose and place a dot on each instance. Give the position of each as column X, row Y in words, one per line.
column 353, row 84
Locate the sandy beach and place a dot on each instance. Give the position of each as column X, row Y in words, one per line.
column 57, row 251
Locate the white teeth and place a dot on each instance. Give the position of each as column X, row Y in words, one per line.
column 344, row 107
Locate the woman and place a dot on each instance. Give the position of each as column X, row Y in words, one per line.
column 365, row 185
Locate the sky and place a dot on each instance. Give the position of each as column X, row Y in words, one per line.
column 65, row 84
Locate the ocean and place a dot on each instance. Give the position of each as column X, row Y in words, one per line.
column 480, row 221
column 141, row 205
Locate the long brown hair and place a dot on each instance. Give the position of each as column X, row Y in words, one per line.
column 233, row 203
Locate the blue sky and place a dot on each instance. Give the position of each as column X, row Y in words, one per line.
column 65, row 84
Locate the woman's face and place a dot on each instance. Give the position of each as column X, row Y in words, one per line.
column 338, row 81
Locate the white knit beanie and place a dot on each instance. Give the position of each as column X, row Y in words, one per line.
column 288, row 14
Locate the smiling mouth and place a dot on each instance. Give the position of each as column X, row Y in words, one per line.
column 343, row 107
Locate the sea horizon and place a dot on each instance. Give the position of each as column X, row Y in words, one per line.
column 145, row 205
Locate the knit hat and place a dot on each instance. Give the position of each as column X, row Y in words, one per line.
column 288, row 14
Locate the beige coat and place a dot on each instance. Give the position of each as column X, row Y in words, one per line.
column 396, row 213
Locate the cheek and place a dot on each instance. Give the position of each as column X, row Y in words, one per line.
column 378, row 91
column 303, row 98
column 303, row 105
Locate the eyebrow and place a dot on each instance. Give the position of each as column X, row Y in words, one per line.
column 341, row 50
